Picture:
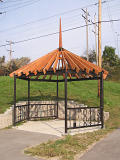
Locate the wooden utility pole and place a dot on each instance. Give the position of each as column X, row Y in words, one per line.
column 87, row 34
column 86, row 20
column 99, row 35
column 10, row 50
column 99, row 42
column 95, row 33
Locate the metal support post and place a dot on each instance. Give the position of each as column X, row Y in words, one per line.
column 14, row 108
column 57, row 101
column 65, row 102
column 101, row 100
column 28, row 112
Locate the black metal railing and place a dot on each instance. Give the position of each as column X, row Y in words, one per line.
column 43, row 110
column 20, row 113
column 25, row 112
column 81, row 117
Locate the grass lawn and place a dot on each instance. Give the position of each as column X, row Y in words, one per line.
column 83, row 92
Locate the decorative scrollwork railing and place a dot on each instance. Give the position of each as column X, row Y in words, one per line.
column 24, row 112
column 81, row 117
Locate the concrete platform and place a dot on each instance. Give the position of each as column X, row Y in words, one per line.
column 52, row 127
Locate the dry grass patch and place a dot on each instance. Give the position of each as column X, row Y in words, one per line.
column 67, row 147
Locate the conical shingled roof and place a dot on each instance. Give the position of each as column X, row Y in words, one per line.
column 60, row 59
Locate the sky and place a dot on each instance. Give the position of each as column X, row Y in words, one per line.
column 26, row 19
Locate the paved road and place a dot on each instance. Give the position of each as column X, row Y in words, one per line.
column 13, row 142
column 107, row 149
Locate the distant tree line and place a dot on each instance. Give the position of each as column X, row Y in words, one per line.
column 110, row 61
column 7, row 67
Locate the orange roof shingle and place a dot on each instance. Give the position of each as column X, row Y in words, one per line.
column 59, row 60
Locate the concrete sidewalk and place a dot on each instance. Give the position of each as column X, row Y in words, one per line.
column 53, row 127
column 107, row 149
column 13, row 142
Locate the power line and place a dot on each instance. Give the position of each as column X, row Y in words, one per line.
column 113, row 30
column 105, row 1
column 49, row 22
column 50, row 34
column 47, row 18
column 112, row 25
column 66, row 30
column 15, row 4
column 12, row 1
column 22, row 6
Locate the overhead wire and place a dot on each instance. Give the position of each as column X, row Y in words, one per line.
column 45, row 28
column 62, row 14
column 112, row 26
column 15, row 4
column 43, row 25
column 33, row 38
column 55, row 15
column 66, row 30
column 22, row 6
column 11, row 1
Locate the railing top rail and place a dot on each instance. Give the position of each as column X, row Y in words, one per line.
column 43, row 104
column 83, row 108
column 92, row 125
column 24, row 105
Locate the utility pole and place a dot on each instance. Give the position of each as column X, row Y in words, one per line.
column 117, row 34
column 99, row 41
column 99, row 35
column 86, row 20
column 95, row 33
column 10, row 50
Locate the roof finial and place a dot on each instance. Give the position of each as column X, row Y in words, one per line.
column 60, row 36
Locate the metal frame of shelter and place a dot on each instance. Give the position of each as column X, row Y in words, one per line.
column 72, row 68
